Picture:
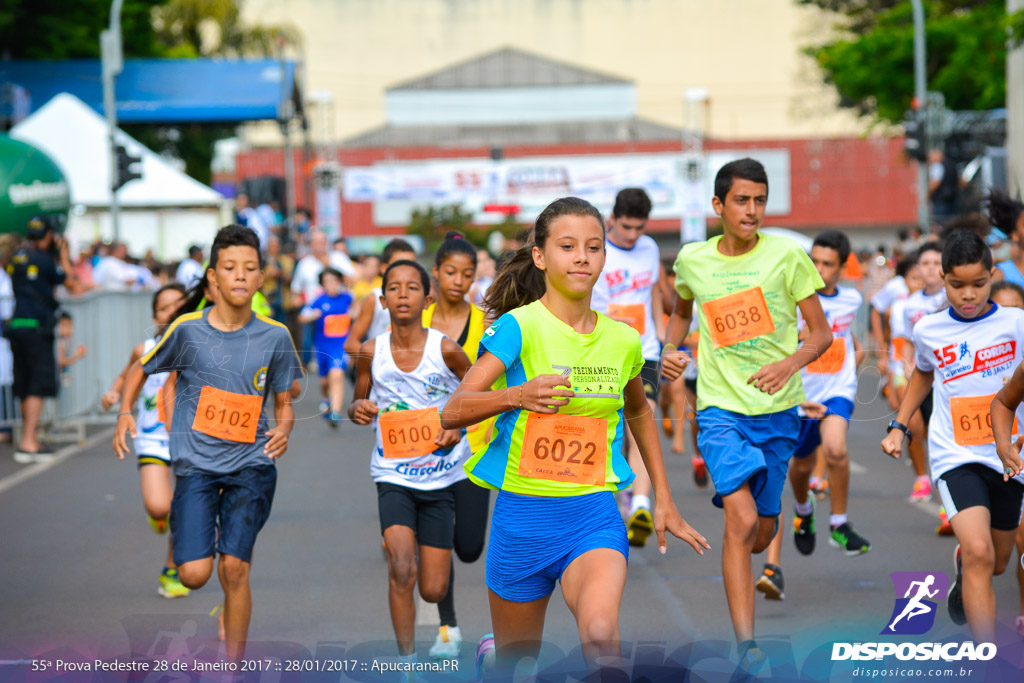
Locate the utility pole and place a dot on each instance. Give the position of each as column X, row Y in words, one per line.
column 920, row 98
column 1014, row 111
column 113, row 63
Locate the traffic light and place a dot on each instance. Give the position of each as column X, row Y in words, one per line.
column 123, row 171
column 914, row 136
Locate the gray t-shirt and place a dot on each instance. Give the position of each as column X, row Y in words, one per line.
column 224, row 379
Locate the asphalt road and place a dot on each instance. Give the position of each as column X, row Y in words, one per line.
column 79, row 566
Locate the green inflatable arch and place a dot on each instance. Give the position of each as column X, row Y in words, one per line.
column 31, row 184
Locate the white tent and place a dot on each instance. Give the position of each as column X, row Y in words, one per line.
column 165, row 210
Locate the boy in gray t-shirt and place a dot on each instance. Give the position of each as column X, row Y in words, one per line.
column 229, row 362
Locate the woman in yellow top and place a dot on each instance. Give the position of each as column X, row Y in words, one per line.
column 454, row 272
column 569, row 379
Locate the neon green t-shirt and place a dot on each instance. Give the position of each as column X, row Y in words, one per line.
column 531, row 341
column 777, row 269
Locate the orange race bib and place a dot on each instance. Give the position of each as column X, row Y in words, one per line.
column 229, row 416
column 738, row 317
column 337, row 325
column 567, row 448
column 409, row 433
column 972, row 420
column 632, row 314
column 830, row 362
column 897, row 348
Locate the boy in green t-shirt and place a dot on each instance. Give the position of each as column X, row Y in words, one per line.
column 748, row 286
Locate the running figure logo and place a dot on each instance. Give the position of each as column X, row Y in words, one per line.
column 914, row 613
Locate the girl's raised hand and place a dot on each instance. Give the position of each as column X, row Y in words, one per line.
column 545, row 393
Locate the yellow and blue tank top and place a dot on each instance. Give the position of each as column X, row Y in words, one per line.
column 531, row 341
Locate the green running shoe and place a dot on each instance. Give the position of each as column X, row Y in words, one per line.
column 170, row 584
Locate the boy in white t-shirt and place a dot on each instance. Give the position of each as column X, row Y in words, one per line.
column 628, row 291
column 830, row 383
column 964, row 354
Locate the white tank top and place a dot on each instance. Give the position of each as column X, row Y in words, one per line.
column 429, row 385
column 381, row 318
column 149, row 424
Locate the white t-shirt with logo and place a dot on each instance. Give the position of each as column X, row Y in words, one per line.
column 628, row 278
column 971, row 359
column 891, row 291
column 834, row 375
column 918, row 305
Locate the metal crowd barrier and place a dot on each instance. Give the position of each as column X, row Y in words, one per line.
column 110, row 324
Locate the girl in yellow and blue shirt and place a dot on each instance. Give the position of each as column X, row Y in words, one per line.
column 567, row 381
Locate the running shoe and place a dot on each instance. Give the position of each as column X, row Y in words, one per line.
column 771, row 582
column 484, row 655
column 922, row 490
column 640, row 526
column 955, row 597
column 447, row 643
column 325, row 408
column 803, row 531
column 334, row 419
column 819, row 487
column 944, row 528
column 700, row 471
column 28, row 458
column 159, row 525
column 751, row 657
column 170, row 584
column 849, row 541
column 666, row 421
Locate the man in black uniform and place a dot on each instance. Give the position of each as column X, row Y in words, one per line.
column 36, row 269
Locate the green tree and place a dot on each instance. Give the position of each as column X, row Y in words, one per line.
column 214, row 28
column 58, row 29
column 70, row 29
column 434, row 222
column 870, row 62
column 206, row 28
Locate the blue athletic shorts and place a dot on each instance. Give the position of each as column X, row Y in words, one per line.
column 330, row 358
column 810, row 434
column 534, row 538
column 236, row 505
column 748, row 448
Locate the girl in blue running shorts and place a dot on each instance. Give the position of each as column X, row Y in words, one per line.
column 566, row 382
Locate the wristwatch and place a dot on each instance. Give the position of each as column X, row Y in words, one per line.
column 902, row 427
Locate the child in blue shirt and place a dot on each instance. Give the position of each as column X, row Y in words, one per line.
column 330, row 312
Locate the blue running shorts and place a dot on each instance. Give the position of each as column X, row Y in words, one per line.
column 236, row 504
column 810, row 434
column 754, row 449
column 534, row 538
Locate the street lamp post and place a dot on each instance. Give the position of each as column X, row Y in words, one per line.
column 110, row 51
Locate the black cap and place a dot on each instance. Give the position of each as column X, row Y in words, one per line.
column 38, row 226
